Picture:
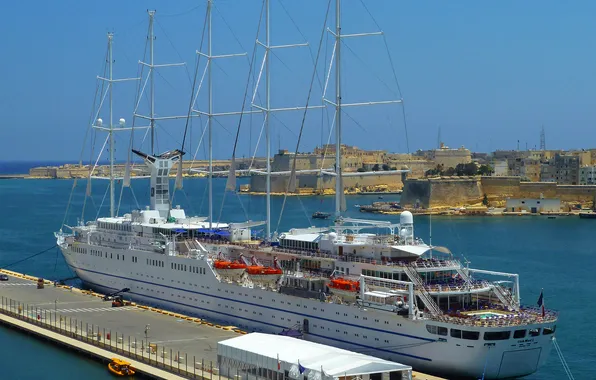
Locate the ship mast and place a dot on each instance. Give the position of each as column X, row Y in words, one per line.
column 152, row 84
column 111, row 131
column 210, row 111
column 267, row 114
column 339, row 190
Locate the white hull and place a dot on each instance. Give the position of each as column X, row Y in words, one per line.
column 195, row 290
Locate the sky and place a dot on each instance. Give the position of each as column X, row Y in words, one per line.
column 486, row 74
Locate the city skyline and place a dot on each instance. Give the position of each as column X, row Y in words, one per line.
column 486, row 75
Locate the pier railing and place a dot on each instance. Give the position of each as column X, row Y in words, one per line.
column 159, row 356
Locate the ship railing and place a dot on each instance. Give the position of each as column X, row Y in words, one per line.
column 426, row 298
column 525, row 316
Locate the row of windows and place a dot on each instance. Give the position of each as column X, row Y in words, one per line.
column 489, row 335
column 114, row 226
column 189, row 268
column 155, row 263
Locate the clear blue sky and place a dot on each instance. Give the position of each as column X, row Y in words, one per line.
column 487, row 73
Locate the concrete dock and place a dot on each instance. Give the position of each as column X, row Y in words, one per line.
column 158, row 343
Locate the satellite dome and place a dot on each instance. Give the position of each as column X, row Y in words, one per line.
column 406, row 217
column 332, row 236
column 99, row 122
column 122, row 121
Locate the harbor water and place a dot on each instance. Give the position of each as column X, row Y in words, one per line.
column 557, row 255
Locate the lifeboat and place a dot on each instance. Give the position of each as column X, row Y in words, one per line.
column 120, row 368
column 347, row 289
column 232, row 269
column 264, row 274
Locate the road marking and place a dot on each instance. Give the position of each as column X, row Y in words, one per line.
column 17, row 284
column 96, row 309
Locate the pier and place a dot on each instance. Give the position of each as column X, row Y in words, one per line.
column 159, row 344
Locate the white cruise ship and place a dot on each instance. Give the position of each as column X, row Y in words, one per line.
column 389, row 295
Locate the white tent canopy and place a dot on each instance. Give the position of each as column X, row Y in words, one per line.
column 264, row 351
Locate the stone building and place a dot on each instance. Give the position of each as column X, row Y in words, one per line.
column 587, row 175
column 562, row 169
column 447, row 157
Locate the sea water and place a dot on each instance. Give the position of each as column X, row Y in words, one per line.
column 557, row 255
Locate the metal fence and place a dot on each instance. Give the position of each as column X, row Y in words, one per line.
column 142, row 350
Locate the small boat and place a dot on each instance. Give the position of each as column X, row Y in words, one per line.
column 552, row 217
column 264, row 274
column 321, row 215
column 229, row 268
column 120, row 368
column 587, row 215
column 348, row 289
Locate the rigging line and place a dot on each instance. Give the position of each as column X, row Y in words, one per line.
column 192, row 96
column 237, row 41
column 331, row 126
column 162, row 29
column 223, row 127
column 368, row 66
column 56, row 261
column 293, row 171
column 284, row 124
column 303, row 208
column 94, row 135
column 312, row 57
column 102, row 201
column 29, row 257
column 181, row 13
column 250, row 68
column 394, row 73
column 355, row 121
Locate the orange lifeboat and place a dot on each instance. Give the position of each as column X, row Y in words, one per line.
column 223, row 264
column 227, row 268
column 261, row 270
column 345, row 285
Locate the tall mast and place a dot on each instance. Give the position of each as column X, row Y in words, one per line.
column 152, row 85
column 210, row 118
column 339, row 189
column 267, row 112
column 111, row 131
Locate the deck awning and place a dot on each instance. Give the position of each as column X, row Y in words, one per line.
column 415, row 250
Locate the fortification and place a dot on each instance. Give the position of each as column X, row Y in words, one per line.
column 451, row 192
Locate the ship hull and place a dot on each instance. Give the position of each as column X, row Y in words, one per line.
column 190, row 286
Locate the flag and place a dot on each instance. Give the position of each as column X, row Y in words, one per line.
column 278, row 363
column 541, row 302
column 301, row 368
column 540, row 299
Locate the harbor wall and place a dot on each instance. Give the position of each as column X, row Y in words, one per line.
column 438, row 192
column 313, row 182
column 453, row 192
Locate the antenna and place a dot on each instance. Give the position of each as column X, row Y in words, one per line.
column 542, row 139
column 439, row 138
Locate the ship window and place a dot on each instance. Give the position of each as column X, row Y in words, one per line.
column 518, row 334
column 470, row 335
column 534, row 332
column 437, row 330
column 497, row 335
column 548, row 330
column 455, row 333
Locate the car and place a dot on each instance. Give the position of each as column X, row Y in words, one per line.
column 3, row 277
